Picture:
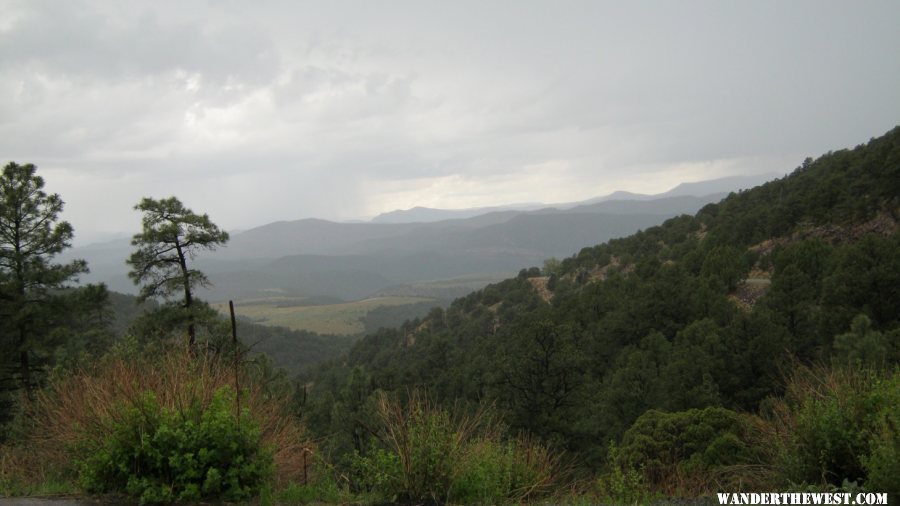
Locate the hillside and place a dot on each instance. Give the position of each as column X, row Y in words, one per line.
column 703, row 311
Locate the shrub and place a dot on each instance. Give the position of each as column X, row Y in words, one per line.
column 427, row 455
column 623, row 486
column 379, row 470
column 836, row 426
column 686, row 449
column 167, row 407
column 422, row 446
column 493, row 471
column 165, row 455
column 883, row 462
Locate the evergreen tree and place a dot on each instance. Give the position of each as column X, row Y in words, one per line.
column 171, row 237
column 30, row 236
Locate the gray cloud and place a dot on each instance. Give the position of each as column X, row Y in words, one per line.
column 278, row 110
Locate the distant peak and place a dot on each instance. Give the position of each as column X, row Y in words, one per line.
column 622, row 194
column 720, row 185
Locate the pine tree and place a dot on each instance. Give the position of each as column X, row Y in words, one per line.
column 30, row 284
column 171, row 237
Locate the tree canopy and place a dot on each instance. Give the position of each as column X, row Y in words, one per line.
column 172, row 236
column 30, row 236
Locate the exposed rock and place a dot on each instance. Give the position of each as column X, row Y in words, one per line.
column 540, row 285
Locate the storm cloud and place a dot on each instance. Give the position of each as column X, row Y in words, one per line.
column 264, row 111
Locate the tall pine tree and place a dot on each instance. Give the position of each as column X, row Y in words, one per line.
column 30, row 284
column 171, row 237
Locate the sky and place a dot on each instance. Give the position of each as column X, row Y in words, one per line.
column 256, row 112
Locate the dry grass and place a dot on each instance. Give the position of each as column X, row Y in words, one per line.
column 778, row 424
column 84, row 406
column 436, row 447
column 397, row 421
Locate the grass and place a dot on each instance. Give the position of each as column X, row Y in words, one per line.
column 318, row 314
column 449, row 288
column 341, row 319
column 16, row 481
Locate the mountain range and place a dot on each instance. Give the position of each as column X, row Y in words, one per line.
column 314, row 257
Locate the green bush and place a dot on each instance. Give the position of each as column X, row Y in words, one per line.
column 828, row 442
column 162, row 455
column 686, row 442
column 426, row 455
column 882, row 463
column 419, row 462
column 623, row 486
column 379, row 471
column 838, row 426
column 485, row 473
column 492, row 471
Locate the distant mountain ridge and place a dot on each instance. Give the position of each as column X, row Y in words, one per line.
column 313, row 257
column 421, row 214
column 722, row 185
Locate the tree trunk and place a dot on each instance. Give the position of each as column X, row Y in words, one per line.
column 24, row 363
column 26, row 372
column 188, row 300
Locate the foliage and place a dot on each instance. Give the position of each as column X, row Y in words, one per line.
column 17, row 481
column 391, row 316
column 167, row 322
column 423, row 446
column 865, row 347
column 430, row 455
column 292, row 350
column 379, row 471
column 552, row 267
column 684, row 446
column 835, row 425
column 38, row 309
column 319, row 491
column 883, row 461
column 172, row 234
column 162, row 455
column 494, row 471
column 623, row 486
column 702, row 311
column 653, row 342
column 81, row 329
column 92, row 412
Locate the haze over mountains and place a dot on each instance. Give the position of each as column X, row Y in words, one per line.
column 313, row 257
column 694, row 189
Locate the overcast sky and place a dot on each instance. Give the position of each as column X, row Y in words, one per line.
column 263, row 111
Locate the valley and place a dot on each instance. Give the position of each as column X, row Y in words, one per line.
column 327, row 277
column 345, row 318
column 449, row 253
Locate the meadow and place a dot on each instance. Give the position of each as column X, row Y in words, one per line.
column 297, row 313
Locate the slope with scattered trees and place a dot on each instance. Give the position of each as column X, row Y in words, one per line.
column 655, row 321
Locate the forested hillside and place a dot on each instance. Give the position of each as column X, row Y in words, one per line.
column 722, row 309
